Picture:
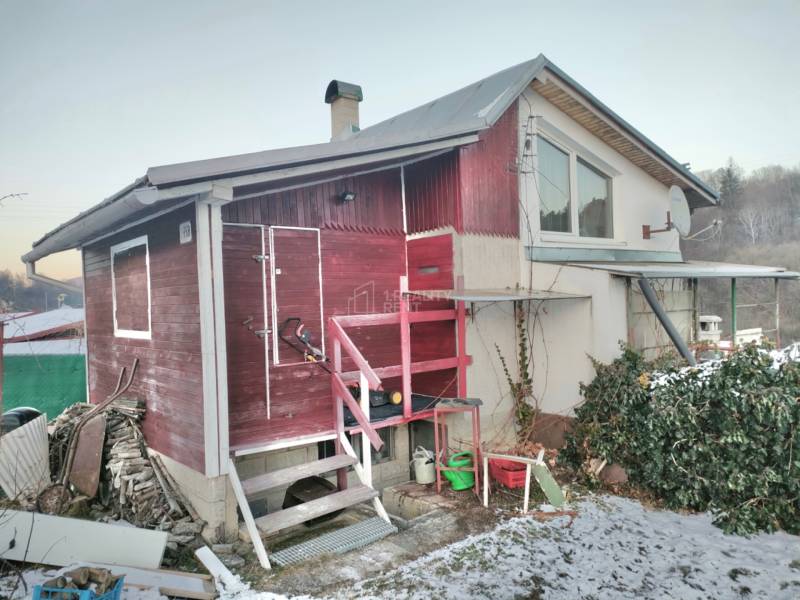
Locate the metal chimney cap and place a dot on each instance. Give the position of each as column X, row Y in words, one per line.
column 342, row 89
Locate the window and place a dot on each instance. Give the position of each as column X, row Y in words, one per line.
column 130, row 288
column 595, row 217
column 554, row 194
column 327, row 449
column 574, row 196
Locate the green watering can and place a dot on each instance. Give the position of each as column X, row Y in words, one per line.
column 460, row 480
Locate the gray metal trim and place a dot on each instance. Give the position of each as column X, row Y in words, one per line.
column 538, row 253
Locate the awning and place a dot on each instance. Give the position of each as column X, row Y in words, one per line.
column 500, row 295
column 690, row 269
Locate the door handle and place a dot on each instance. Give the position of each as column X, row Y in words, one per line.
column 262, row 333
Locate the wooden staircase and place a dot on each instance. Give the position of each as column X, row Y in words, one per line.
column 301, row 513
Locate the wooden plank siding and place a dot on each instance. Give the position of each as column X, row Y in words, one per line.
column 360, row 274
column 473, row 189
column 430, row 267
column 170, row 368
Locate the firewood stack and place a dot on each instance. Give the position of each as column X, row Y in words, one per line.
column 99, row 580
column 142, row 491
column 135, row 485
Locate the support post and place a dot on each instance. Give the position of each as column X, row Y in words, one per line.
column 527, row 488
column 486, row 481
column 405, row 347
column 733, row 313
column 366, row 448
column 338, row 415
column 461, row 340
column 695, row 310
column 777, row 313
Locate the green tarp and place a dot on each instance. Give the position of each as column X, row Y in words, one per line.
column 48, row 383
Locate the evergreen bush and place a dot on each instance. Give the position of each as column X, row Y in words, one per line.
column 721, row 437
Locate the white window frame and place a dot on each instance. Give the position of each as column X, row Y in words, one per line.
column 117, row 249
column 575, row 151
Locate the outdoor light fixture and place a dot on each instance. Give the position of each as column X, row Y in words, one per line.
column 347, row 196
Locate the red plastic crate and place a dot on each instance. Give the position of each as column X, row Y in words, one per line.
column 507, row 472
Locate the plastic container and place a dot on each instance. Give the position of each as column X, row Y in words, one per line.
column 460, row 480
column 47, row 593
column 509, row 473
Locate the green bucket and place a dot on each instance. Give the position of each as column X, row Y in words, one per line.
column 460, row 480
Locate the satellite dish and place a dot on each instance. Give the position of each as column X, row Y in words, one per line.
column 680, row 215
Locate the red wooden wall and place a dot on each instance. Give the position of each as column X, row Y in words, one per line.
column 169, row 376
column 430, row 267
column 489, row 181
column 377, row 207
column 361, row 273
column 473, row 189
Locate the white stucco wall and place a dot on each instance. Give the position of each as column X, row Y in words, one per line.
column 639, row 199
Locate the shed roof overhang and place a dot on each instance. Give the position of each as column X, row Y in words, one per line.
column 145, row 198
column 689, row 270
column 496, row 295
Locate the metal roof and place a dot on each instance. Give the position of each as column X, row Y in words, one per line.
column 466, row 111
column 503, row 295
column 689, row 269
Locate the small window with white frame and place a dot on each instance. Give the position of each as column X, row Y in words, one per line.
column 130, row 288
column 575, row 194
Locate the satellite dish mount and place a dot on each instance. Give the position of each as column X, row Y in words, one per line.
column 647, row 231
column 678, row 217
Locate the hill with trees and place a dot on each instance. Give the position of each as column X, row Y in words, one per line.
column 756, row 222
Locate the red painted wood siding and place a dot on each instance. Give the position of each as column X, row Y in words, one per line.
column 430, row 267
column 244, row 315
column 295, row 254
column 377, row 207
column 170, row 373
column 430, row 263
column 473, row 189
column 360, row 274
column 130, row 287
column 432, row 194
column 489, row 182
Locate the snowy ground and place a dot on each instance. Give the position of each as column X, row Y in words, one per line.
column 614, row 549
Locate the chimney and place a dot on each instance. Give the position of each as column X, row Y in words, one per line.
column 343, row 98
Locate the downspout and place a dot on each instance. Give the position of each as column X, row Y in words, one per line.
column 30, row 269
column 663, row 317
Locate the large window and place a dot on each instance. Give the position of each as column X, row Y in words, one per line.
column 574, row 196
column 130, row 288
column 595, row 217
column 554, row 189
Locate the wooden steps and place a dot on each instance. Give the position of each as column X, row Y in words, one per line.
column 301, row 513
column 290, row 475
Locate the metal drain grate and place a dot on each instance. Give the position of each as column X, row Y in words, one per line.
column 336, row 542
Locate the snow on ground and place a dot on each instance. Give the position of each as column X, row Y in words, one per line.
column 614, row 549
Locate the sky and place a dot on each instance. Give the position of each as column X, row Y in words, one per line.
column 94, row 92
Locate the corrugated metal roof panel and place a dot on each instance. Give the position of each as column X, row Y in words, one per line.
column 506, row 295
column 690, row 269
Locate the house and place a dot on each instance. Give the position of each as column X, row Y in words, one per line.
column 255, row 288
column 44, row 360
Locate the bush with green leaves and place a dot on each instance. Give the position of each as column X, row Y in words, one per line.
column 723, row 436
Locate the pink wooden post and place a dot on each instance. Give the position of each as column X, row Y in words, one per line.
column 405, row 347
